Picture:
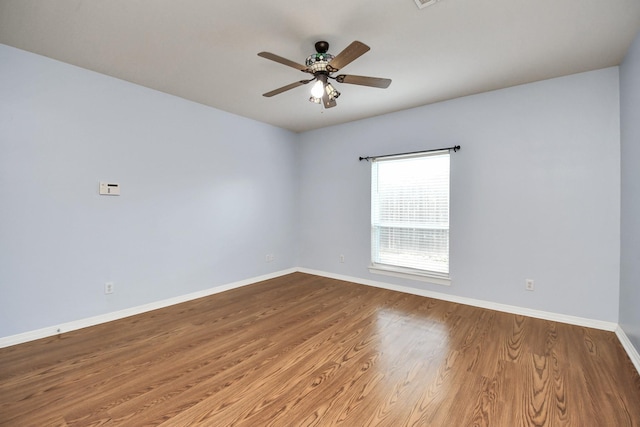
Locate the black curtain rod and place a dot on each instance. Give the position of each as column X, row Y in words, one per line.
column 454, row 148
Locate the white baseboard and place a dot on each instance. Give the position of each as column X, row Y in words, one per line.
column 109, row 317
column 629, row 348
column 539, row 314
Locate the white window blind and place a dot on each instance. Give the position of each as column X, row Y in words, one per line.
column 410, row 213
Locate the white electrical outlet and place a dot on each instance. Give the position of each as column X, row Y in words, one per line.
column 342, row 258
column 108, row 288
column 528, row 284
column 269, row 258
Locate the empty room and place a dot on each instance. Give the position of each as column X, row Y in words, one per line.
column 389, row 213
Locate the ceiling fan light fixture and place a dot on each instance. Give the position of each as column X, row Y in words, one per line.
column 331, row 91
column 317, row 89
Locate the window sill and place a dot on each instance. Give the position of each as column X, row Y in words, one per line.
column 407, row 273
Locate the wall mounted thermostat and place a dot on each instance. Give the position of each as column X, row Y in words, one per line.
column 109, row 189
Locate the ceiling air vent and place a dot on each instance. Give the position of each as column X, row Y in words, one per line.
column 424, row 3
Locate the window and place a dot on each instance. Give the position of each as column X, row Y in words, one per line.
column 410, row 215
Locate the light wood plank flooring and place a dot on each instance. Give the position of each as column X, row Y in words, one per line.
column 302, row 350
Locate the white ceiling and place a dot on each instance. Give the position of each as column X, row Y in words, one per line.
column 206, row 50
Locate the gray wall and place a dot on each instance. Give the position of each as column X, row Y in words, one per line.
column 205, row 194
column 630, row 221
column 535, row 193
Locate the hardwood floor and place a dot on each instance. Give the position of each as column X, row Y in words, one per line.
column 303, row 350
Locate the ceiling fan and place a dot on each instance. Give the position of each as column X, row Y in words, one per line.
column 322, row 65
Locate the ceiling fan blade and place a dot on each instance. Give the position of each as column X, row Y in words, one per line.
column 284, row 61
column 286, row 88
column 330, row 104
column 352, row 52
column 364, row 81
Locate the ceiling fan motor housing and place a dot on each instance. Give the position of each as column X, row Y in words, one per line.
column 317, row 62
